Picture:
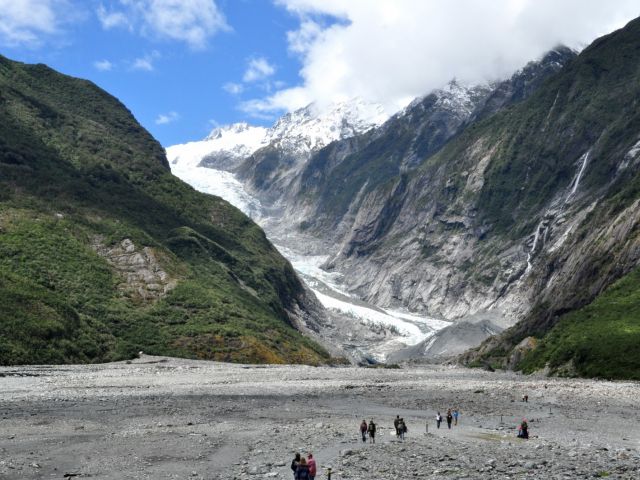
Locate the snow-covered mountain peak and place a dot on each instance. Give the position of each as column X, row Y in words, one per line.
column 231, row 129
column 459, row 97
column 235, row 142
column 455, row 97
column 299, row 132
column 311, row 127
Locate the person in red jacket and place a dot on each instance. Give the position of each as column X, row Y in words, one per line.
column 311, row 463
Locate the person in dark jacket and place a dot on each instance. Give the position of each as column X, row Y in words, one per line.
column 449, row 418
column 523, row 430
column 402, row 428
column 302, row 472
column 363, row 430
column 396, row 422
column 294, row 464
column 372, row 432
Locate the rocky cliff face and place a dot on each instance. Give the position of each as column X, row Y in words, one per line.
column 528, row 212
column 520, row 207
column 407, row 227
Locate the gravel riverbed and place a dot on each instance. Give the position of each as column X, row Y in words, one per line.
column 165, row 418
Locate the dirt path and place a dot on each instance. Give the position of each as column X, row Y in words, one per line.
column 174, row 419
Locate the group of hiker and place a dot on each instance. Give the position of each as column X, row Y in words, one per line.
column 369, row 429
column 401, row 427
column 304, row 468
column 452, row 418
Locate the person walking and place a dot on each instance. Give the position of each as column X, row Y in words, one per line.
column 438, row 419
column 372, row 432
column 302, row 472
column 449, row 418
column 396, row 422
column 363, row 430
column 402, row 428
column 294, row 464
column 311, row 463
column 455, row 416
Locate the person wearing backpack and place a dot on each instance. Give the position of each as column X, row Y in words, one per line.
column 311, row 463
column 294, row 464
column 402, row 428
column 302, row 472
column 363, row 430
column 372, row 432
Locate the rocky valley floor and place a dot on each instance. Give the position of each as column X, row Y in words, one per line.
column 161, row 418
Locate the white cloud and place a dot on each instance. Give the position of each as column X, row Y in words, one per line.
column 146, row 63
column 103, row 65
column 165, row 118
column 189, row 21
column 143, row 63
column 30, row 22
column 258, row 69
column 233, row 88
column 392, row 51
column 112, row 19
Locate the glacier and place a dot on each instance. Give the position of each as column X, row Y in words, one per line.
column 302, row 131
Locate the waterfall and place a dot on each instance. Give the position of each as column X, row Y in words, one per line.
column 543, row 229
column 534, row 246
column 576, row 181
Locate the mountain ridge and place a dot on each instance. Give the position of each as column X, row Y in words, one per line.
column 323, row 198
column 104, row 253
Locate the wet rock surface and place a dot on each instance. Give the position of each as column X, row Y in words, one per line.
column 163, row 418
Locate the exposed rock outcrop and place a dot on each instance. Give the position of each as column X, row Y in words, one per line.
column 142, row 274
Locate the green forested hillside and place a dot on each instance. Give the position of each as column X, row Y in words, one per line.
column 601, row 339
column 103, row 252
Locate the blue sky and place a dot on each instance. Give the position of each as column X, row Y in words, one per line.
column 184, row 66
column 177, row 89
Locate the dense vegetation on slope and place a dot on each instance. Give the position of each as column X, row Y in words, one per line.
column 585, row 108
column 103, row 252
column 601, row 339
